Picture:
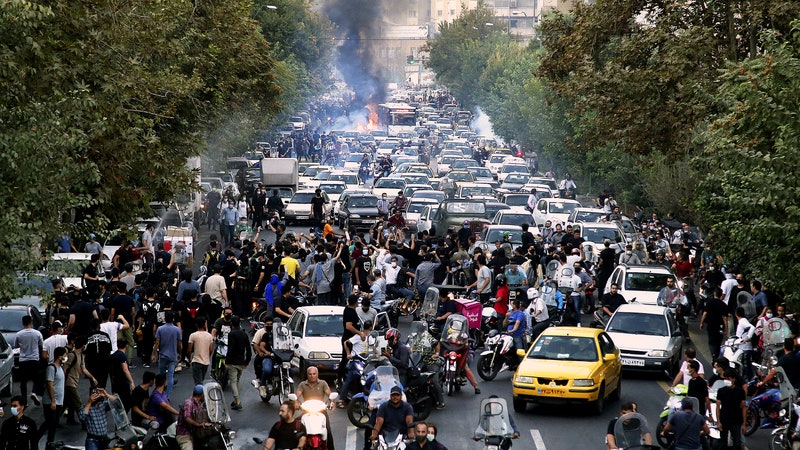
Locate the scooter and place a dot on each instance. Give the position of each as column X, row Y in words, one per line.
column 730, row 350
column 771, row 405
column 280, row 383
column 631, row 432
column 498, row 356
column 676, row 394
column 219, row 371
column 379, row 382
column 455, row 343
column 390, row 441
column 313, row 419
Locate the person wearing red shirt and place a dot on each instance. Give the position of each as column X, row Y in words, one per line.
column 501, row 297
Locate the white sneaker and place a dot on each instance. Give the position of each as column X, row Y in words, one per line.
column 178, row 368
column 255, row 383
column 262, row 391
column 579, row 325
column 36, row 400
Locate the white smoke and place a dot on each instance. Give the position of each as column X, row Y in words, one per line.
column 483, row 125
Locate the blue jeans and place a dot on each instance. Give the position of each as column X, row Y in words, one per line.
column 576, row 303
column 352, row 375
column 168, row 367
column 347, row 281
column 266, row 370
column 95, row 444
column 396, row 291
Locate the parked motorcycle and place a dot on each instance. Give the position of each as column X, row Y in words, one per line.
column 771, row 406
column 455, row 344
column 499, row 355
column 494, row 425
column 730, row 350
column 280, row 383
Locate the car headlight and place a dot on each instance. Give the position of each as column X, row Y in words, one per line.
column 658, row 353
column 524, row 379
column 319, row 355
column 355, row 216
column 583, row 382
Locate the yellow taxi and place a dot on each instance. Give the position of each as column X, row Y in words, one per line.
column 569, row 365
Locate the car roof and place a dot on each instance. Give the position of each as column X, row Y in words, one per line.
column 641, row 308
column 583, row 225
column 15, row 306
column 559, row 200
column 571, row 331
column 71, row 256
column 647, row 269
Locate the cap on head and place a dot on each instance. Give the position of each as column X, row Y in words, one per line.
column 396, row 390
column 198, row 390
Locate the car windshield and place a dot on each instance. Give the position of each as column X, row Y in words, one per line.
column 325, row 175
column 496, row 234
column 354, row 157
column 415, row 207
column 588, row 216
column 514, row 219
column 492, row 208
column 467, row 191
column 11, row 319
column 516, row 200
column 564, row 348
column 638, row 323
column 390, row 183
column 497, row 159
column 481, row 172
column 514, row 169
column 416, row 179
column 302, row 197
column 347, row 178
column 464, row 163
column 324, row 326
column 651, row 282
column 466, row 208
column 313, row 171
column 362, row 202
column 516, row 179
column 436, row 195
column 592, row 234
column 562, row 208
column 333, row 188
column 460, row 176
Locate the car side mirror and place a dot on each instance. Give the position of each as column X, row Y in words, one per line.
column 677, row 333
column 521, row 353
column 609, row 357
column 296, row 333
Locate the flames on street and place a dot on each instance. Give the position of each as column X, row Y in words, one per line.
column 372, row 122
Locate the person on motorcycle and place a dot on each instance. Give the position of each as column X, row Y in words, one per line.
column 288, row 432
column 394, row 416
column 400, row 202
column 539, row 315
column 274, row 203
column 263, row 363
column 398, row 354
column 421, row 441
column 315, row 389
column 611, row 440
column 398, row 220
column 610, row 302
column 193, row 418
column 356, row 346
column 506, row 443
column 501, row 296
column 688, row 426
column 516, row 323
column 428, row 347
column 567, row 186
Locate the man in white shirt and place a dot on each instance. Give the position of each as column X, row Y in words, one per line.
column 683, row 376
column 216, row 287
column 112, row 327
column 727, row 286
column 744, row 332
column 57, row 339
column 532, row 200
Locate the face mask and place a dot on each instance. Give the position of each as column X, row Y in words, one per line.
column 728, row 382
column 384, row 197
column 64, row 359
column 228, row 316
column 431, row 437
column 421, row 438
column 394, row 264
column 628, row 252
column 14, row 410
column 466, row 226
column 769, row 316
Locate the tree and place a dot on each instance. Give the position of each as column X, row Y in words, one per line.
column 749, row 193
column 105, row 101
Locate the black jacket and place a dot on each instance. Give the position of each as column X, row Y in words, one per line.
column 239, row 352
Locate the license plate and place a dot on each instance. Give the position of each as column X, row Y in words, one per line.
column 550, row 391
column 302, row 217
column 632, row 362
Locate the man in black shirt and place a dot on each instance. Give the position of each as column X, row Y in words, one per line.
column 714, row 317
column 19, row 431
column 285, row 304
column 80, row 316
column 139, row 396
column 350, row 328
column 731, row 409
column 610, row 302
column 237, row 359
column 790, row 364
column 318, row 208
column 698, row 388
column 362, row 269
column 287, row 432
column 98, row 351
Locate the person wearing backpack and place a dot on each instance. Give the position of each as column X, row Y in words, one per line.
column 288, row 432
column 147, row 321
column 53, row 401
column 212, row 256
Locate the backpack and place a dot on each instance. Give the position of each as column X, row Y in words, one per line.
column 212, row 258
column 150, row 312
column 245, row 269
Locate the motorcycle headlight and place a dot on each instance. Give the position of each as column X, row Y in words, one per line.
column 319, row 355
column 583, row 382
column 286, row 365
column 355, row 216
column 524, row 379
column 231, row 435
column 658, row 353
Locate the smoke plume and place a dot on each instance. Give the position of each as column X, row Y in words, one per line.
column 358, row 26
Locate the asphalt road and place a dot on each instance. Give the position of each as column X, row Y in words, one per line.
column 551, row 428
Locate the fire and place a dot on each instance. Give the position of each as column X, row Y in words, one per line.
column 373, row 115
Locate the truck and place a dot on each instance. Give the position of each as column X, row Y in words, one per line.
column 279, row 173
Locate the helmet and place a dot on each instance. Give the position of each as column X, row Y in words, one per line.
column 500, row 279
column 392, row 333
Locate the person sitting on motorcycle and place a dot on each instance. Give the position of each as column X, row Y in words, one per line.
column 398, row 220
column 400, row 202
column 263, row 363
column 274, row 203
column 397, row 419
column 315, row 389
column 540, row 316
column 357, row 348
column 567, row 186
column 398, row 354
column 287, row 432
column 609, row 303
column 428, row 347
column 421, row 441
column 515, row 324
column 501, row 296
column 506, row 443
column 455, row 336
column 687, row 425
column 611, row 440
column 193, row 418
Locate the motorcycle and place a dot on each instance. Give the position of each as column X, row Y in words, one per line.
column 676, row 394
column 498, row 356
column 494, row 425
column 378, row 382
column 676, row 301
column 367, row 366
column 770, row 405
column 314, row 420
column 419, row 388
column 391, row 440
column 630, row 432
column 730, row 350
column 787, row 436
column 280, row 383
column 455, row 344
column 219, row 371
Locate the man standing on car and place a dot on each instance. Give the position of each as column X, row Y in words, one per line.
column 318, row 208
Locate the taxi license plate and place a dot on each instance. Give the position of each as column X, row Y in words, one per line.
column 549, row 391
column 632, row 362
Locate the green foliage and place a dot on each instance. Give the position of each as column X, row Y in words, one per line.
column 461, row 51
column 104, row 101
column 751, row 193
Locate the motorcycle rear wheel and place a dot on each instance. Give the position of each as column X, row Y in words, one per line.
column 663, row 441
column 751, row 421
column 486, row 370
column 423, row 410
column 358, row 413
column 219, row 371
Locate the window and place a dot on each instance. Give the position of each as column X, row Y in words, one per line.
column 452, row 12
column 439, row 13
column 606, row 344
column 412, row 13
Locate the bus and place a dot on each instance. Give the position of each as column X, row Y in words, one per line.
column 397, row 117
